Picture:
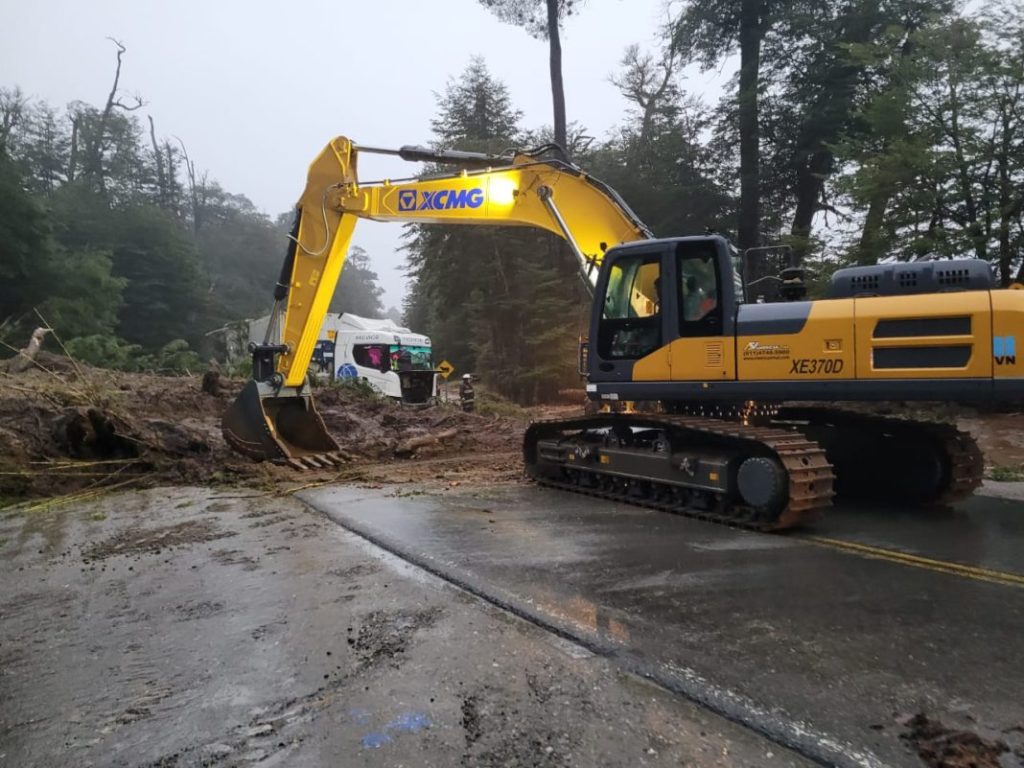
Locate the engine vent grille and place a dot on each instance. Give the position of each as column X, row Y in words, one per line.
column 864, row 283
column 907, row 279
column 896, row 279
column 923, row 326
column 953, row 277
column 713, row 355
column 953, row 356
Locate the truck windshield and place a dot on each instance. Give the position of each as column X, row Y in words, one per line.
column 405, row 358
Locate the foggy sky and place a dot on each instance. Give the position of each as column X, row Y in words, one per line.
column 256, row 89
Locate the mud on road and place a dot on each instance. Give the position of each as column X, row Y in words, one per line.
column 70, row 428
column 175, row 627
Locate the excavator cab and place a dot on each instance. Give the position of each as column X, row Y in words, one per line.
column 652, row 293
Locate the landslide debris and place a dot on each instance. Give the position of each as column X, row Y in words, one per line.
column 940, row 746
column 71, row 428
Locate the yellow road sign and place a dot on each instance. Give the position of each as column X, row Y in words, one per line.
column 445, row 368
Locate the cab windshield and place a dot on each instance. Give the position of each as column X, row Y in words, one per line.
column 406, row 358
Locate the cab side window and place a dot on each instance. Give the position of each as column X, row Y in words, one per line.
column 699, row 306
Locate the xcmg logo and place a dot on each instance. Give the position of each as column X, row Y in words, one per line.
column 441, row 200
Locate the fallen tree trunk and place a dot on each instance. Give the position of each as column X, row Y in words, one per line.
column 27, row 356
column 409, row 446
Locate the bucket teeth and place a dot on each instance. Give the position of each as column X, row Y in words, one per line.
column 315, row 461
column 284, row 427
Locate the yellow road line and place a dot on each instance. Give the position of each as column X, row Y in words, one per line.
column 976, row 573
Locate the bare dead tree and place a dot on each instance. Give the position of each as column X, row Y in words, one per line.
column 646, row 83
column 75, row 116
column 97, row 144
column 193, row 188
column 161, row 184
column 173, row 188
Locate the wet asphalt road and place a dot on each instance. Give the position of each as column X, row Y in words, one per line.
column 178, row 628
column 828, row 639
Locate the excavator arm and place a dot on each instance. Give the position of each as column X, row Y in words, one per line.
column 274, row 417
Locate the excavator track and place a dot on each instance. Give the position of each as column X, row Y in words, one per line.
column 893, row 459
column 694, row 466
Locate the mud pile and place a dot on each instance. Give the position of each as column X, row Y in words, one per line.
column 72, row 427
column 940, row 746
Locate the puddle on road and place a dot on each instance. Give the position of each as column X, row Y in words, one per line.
column 746, row 543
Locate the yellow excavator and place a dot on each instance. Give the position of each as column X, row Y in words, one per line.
column 743, row 432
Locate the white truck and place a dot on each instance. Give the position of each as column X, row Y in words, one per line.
column 391, row 359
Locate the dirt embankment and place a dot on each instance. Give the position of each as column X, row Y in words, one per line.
column 70, row 428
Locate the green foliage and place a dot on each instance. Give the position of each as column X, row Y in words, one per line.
column 88, row 296
column 1006, row 474
column 176, row 356
column 658, row 159
column 361, row 389
column 73, row 287
column 532, row 15
column 357, row 291
column 501, row 302
column 165, row 297
column 24, row 244
column 109, row 231
column 492, row 404
column 115, row 237
column 240, row 251
column 818, row 66
column 476, row 112
column 939, row 165
column 106, row 352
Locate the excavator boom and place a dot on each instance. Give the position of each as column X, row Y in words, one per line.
column 274, row 418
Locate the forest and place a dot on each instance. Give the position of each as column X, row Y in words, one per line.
column 853, row 132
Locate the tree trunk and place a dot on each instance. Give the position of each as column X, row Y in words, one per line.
column 870, row 246
column 190, row 174
column 161, row 186
column 73, row 157
column 96, row 145
column 413, row 443
column 964, row 176
column 751, row 31
column 810, row 180
column 26, row 357
column 557, row 86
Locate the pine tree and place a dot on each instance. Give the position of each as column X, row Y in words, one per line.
column 501, row 302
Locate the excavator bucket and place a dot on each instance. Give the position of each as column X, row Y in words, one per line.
column 266, row 424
